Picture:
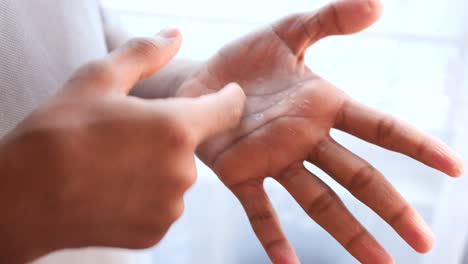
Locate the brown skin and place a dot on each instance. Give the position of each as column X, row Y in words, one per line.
column 104, row 168
column 290, row 112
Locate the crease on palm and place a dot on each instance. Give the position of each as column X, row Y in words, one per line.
column 261, row 100
column 294, row 127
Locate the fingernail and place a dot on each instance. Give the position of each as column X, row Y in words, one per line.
column 169, row 32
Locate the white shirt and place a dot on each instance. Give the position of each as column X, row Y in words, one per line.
column 41, row 43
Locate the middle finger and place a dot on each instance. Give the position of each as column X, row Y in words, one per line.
column 323, row 205
column 368, row 185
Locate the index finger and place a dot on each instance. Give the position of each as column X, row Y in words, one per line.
column 141, row 57
column 393, row 134
column 213, row 113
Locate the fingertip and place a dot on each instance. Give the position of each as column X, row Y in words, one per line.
column 387, row 258
column 425, row 242
column 170, row 36
column 426, row 238
column 170, row 33
column 454, row 165
column 428, row 244
column 368, row 250
column 416, row 232
column 441, row 157
column 283, row 253
column 237, row 97
column 218, row 112
column 370, row 9
column 357, row 15
column 374, row 9
column 459, row 167
column 236, row 89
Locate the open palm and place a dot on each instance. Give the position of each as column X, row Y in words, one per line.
column 290, row 112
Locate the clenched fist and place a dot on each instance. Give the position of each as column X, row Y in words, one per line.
column 96, row 167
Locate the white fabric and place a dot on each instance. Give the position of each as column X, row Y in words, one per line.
column 41, row 43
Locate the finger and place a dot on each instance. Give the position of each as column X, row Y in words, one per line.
column 214, row 113
column 264, row 221
column 393, row 134
column 337, row 18
column 370, row 186
column 322, row 204
column 141, row 57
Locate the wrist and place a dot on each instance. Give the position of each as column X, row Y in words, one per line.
column 187, row 69
column 167, row 82
column 19, row 232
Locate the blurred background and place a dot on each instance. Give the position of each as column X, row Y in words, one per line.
column 413, row 63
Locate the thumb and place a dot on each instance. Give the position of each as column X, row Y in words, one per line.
column 214, row 113
column 339, row 17
column 141, row 57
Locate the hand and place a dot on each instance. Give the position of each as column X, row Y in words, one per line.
column 289, row 114
column 95, row 167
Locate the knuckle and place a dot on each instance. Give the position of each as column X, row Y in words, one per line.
column 362, row 179
column 146, row 47
column 252, row 184
column 180, row 135
column 337, row 27
column 303, row 23
column 187, row 180
column 265, row 215
column 399, row 214
column 320, row 149
column 183, row 175
column 149, row 230
column 321, row 205
column 355, row 238
column 341, row 115
column 385, row 129
column 175, row 211
column 146, row 241
column 274, row 244
column 422, row 147
column 180, row 184
column 291, row 174
column 141, row 243
column 97, row 71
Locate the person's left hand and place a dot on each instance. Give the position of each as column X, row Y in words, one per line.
column 290, row 112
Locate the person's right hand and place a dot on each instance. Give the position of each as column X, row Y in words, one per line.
column 95, row 167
